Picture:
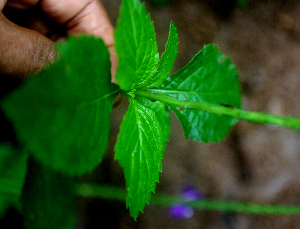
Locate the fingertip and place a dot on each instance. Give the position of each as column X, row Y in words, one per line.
column 93, row 20
column 81, row 16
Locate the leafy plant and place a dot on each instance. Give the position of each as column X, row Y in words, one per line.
column 61, row 116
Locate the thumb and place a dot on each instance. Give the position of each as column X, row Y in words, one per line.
column 22, row 51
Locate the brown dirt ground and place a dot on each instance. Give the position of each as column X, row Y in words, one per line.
column 255, row 162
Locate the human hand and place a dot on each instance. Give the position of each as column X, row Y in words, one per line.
column 27, row 50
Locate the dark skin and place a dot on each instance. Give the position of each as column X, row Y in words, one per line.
column 25, row 50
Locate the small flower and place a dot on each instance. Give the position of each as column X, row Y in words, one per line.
column 182, row 211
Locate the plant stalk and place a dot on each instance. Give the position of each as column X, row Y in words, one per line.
column 257, row 117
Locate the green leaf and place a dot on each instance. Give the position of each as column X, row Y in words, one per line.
column 167, row 60
column 13, row 167
column 135, row 45
column 209, row 77
column 48, row 199
column 62, row 113
column 139, row 150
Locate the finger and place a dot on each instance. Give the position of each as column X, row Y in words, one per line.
column 93, row 19
column 83, row 16
column 22, row 51
column 2, row 4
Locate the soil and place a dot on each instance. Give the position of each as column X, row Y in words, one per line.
column 254, row 163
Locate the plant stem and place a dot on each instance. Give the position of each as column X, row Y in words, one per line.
column 258, row 117
column 114, row 193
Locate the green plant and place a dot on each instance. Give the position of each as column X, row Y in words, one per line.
column 61, row 117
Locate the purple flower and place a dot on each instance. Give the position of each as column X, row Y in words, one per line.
column 182, row 211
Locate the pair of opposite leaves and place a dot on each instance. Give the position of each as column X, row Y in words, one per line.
column 62, row 113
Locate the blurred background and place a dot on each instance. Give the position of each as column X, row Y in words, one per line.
column 254, row 163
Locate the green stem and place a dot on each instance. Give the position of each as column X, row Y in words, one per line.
column 258, row 117
column 114, row 193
